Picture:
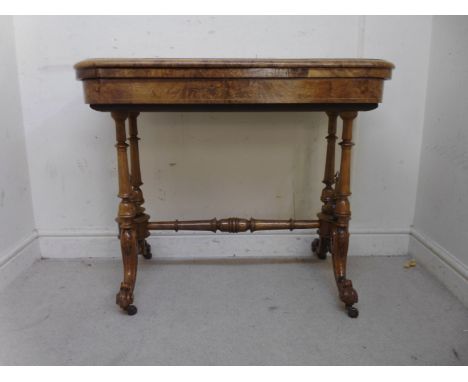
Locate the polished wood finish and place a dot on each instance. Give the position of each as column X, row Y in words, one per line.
column 126, row 217
column 179, row 82
column 342, row 215
column 233, row 225
column 226, row 91
column 229, row 63
column 137, row 195
column 340, row 87
column 322, row 245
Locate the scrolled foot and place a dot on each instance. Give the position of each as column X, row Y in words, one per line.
column 319, row 249
column 349, row 296
column 124, row 298
column 132, row 310
column 146, row 250
column 352, row 311
column 347, row 293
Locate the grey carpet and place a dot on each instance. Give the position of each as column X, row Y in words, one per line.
column 63, row 313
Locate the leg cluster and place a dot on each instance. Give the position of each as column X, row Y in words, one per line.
column 333, row 218
column 131, row 218
column 336, row 213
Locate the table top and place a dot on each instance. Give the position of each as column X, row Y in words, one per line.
column 230, row 63
column 185, row 81
column 129, row 67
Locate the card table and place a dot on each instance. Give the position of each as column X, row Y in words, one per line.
column 339, row 87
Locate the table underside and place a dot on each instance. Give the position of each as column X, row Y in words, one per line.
column 282, row 107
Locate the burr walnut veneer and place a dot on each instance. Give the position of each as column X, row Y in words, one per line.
column 341, row 88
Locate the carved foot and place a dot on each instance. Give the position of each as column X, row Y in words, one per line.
column 349, row 296
column 319, row 248
column 145, row 249
column 124, row 299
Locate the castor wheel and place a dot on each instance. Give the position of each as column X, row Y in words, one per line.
column 352, row 311
column 147, row 251
column 322, row 255
column 132, row 310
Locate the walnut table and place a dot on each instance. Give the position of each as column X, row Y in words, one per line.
column 341, row 88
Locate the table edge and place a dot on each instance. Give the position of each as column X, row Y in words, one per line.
column 93, row 63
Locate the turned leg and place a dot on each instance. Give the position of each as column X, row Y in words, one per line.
column 141, row 218
column 128, row 230
column 342, row 215
column 321, row 245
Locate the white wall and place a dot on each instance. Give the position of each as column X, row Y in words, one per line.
column 16, row 213
column 187, row 158
column 441, row 218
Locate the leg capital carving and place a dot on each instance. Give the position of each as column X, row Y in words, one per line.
column 348, row 115
column 126, row 213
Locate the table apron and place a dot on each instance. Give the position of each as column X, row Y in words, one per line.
column 233, row 91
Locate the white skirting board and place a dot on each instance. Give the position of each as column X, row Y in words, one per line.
column 188, row 245
column 16, row 260
column 441, row 263
column 221, row 245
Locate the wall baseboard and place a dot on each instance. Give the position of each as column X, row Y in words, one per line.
column 441, row 263
column 80, row 244
column 202, row 246
column 18, row 259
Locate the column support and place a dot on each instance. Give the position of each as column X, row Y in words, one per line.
column 141, row 217
column 126, row 218
column 321, row 245
column 342, row 216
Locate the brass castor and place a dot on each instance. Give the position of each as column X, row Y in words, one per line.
column 132, row 310
column 316, row 248
column 352, row 311
column 147, row 251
